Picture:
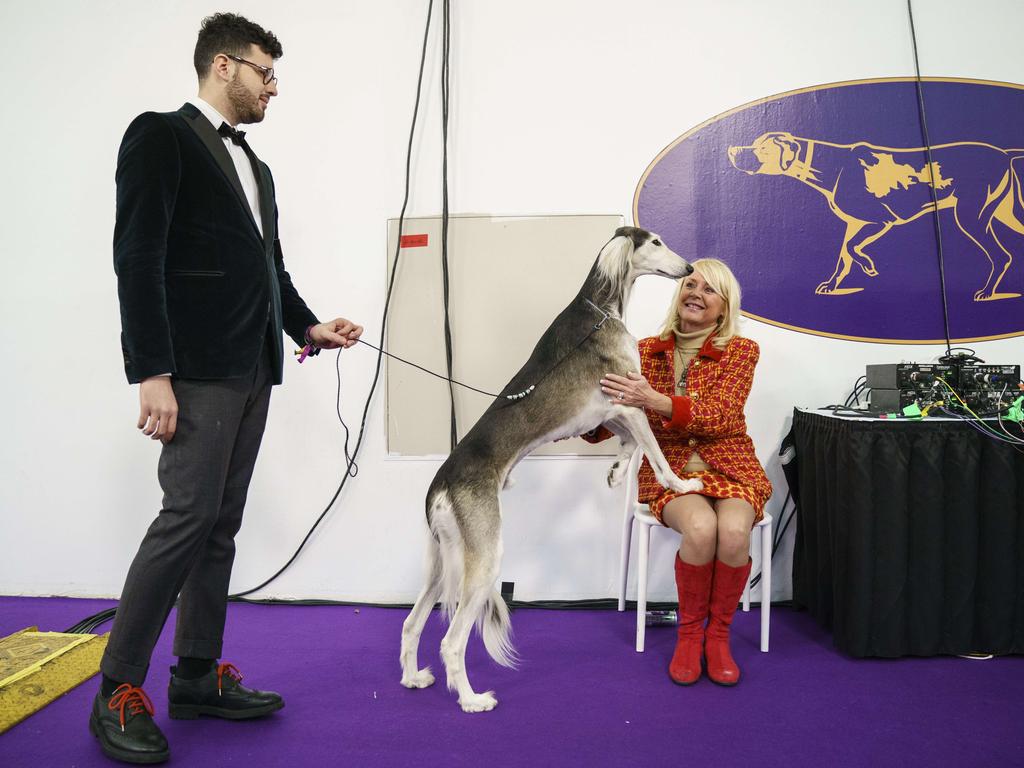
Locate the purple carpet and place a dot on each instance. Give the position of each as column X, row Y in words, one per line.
column 582, row 696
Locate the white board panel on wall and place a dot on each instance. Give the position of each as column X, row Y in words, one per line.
column 509, row 277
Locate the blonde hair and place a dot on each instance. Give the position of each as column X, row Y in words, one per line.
column 723, row 282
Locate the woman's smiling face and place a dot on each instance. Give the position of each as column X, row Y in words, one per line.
column 700, row 306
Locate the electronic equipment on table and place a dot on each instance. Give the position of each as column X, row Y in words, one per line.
column 984, row 389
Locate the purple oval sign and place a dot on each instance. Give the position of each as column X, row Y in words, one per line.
column 821, row 201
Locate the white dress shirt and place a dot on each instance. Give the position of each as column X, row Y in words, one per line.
column 239, row 158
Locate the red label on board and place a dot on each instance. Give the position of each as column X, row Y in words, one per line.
column 413, row 241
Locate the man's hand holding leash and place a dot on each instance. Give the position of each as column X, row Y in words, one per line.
column 334, row 333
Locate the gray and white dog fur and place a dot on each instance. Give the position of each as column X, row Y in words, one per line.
column 463, row 507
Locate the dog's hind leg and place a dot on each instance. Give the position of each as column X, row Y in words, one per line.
column 412, row 675
column 479, row 522
column 617, row 471
column 975, row 222
column 633, row 423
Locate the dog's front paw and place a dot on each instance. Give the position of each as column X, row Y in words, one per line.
column 478, row 702
column 824, row 289
column 421, row 679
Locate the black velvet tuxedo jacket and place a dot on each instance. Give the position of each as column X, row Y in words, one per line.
column 200, row 290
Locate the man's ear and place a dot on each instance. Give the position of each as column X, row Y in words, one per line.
column 220, row 68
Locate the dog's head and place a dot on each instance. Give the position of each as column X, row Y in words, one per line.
column 772, row 154
column 633, row 252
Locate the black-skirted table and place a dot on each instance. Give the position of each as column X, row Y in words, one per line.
column 910, row 535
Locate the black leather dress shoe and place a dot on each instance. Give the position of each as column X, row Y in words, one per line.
column 123, row 723
column 219, row 693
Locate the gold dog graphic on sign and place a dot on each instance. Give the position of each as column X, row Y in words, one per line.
column 873, row 189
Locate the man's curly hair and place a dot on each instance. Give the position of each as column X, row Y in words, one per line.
column 231, row 33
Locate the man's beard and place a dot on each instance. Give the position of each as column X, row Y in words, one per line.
column 245, row 105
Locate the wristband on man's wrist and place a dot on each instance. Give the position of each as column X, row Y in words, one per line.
column 311, row 347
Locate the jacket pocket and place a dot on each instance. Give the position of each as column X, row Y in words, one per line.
column 196, row 272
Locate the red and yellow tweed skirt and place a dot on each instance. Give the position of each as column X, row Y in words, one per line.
column 716, row 486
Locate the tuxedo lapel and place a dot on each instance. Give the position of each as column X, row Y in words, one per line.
column 215, row 145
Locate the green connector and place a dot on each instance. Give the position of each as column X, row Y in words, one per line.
column 1016, row 412
column 912, row 411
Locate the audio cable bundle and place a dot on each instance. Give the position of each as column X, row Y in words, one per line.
column 990, row 398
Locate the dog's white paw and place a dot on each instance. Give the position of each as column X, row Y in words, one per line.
column 420, row 679
column 478, row 702
column 685, row 486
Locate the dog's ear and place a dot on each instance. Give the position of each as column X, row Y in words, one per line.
column 616, row 258
column 789, row 150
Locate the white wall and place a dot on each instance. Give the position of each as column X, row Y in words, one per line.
column 557, row 107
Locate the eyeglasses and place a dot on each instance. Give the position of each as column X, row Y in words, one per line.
column 267, row 72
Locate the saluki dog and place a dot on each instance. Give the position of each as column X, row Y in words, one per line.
column 555, row 395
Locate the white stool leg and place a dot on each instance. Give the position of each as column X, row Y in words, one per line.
column 643, row 543
column 627, row 534
column 766, row 584
column 746, row 595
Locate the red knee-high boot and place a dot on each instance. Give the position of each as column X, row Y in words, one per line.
column 693, row 583
column 726, row 590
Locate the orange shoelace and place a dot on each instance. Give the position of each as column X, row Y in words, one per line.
column 231, row 671
column 135, row 699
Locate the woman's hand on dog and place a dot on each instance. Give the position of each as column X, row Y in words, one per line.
column 633, row 389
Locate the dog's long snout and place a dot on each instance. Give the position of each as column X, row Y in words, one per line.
column 743, row 159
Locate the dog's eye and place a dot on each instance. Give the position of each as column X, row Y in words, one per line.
column 656, row 242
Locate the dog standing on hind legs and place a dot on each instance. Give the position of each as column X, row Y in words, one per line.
column 555, row 395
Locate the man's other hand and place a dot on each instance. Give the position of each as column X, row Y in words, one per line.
column 158, row 409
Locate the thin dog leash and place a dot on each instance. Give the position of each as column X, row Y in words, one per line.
column 596, row 327
column 425, row 370
column 519, row 395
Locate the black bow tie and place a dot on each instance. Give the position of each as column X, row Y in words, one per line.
column 227, row 132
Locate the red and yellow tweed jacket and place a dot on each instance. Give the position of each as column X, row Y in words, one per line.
column 709, row 418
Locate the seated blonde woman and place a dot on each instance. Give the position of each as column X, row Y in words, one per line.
column 693, row 383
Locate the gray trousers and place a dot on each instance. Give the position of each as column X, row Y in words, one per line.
column 188, row 551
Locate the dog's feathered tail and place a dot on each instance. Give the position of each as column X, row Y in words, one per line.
column 494, row 626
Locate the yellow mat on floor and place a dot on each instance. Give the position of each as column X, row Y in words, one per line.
column 37, row 667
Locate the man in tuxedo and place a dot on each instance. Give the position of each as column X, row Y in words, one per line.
column 204, row 298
